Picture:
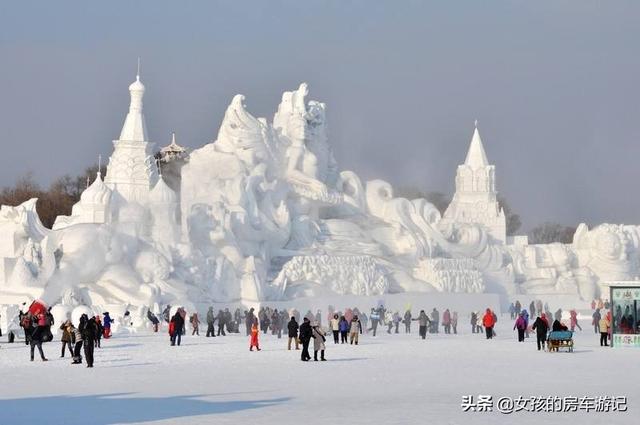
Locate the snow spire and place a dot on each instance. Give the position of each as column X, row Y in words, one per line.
column 135, row 128
column 476, row 157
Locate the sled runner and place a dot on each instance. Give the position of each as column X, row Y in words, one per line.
column 560, row 339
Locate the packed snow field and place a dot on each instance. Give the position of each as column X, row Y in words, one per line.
column 389, row 379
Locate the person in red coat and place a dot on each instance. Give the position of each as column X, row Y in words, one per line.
column 254, row 337
column 488, row 321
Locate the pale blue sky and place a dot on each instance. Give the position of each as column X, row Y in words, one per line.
column 555, row 86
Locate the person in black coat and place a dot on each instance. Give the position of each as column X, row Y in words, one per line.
column 557, row 326
column 178, row 325
column 306, row 333
column 36, row 339
column 541, row 327
column 292, row 326
column 89, row 329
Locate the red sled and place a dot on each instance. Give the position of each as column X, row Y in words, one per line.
column 38, row 307
column 106, row 333
column 172, row 328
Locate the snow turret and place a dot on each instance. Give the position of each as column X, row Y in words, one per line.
column 130, row 168
column 97, row 193
column 476, row 156
column 162, row 194
column 475, row 200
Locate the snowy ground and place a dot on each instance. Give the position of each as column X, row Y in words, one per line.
column 390, row 379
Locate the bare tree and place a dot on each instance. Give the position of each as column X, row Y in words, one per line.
column 551, row 232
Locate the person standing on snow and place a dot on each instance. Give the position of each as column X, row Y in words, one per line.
column 254, row 337
column 195, row 324
column 221, row 323
column 318, row 341
column 596, row 320
column 446, row 321
column 106, row 324
column 89, row 330
column 474, row 321
column 541, row 326
column 306, row 334
column 292, row 327
column 67, row 331
column 211, row 318
column 407, row 321
column 454, row 322
column 38, row 335
column 389, row 320
column 603, row 325
column 249, row 319
column 435, row 320
column 423, row 323
column 355, row 329
column 176, row 326
column 344, row 327
column 375, row 319
column 488, row 321
column 521, row 326
column 77, row 341
column 335, row 328
column 153, row 319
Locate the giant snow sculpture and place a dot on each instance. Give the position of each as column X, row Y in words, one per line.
column 264, row 213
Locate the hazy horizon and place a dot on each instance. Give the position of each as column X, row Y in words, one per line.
column 554, row 86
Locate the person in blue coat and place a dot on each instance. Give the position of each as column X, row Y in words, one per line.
column 106, row 324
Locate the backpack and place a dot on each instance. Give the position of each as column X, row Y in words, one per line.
column 26, row 321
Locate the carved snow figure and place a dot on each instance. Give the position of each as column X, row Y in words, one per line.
column 264, row 213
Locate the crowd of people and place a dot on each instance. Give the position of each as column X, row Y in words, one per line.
column 546, row 321
column 87, row 335
column 345, row 327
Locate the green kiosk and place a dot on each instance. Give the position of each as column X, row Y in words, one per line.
column 625, row 314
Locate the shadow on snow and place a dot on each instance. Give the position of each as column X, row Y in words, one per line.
column 120, row 408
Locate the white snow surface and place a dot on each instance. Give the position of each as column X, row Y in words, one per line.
column 390, row 379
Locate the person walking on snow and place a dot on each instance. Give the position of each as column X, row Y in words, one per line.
column 521, row 326
column 318, row 341
column 488, row 321
column 454, row 322
column 541, row 326
column 306, row 334
column 292, row 327
column 573, row 319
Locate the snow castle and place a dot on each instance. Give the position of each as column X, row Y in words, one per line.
column 264, row 213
